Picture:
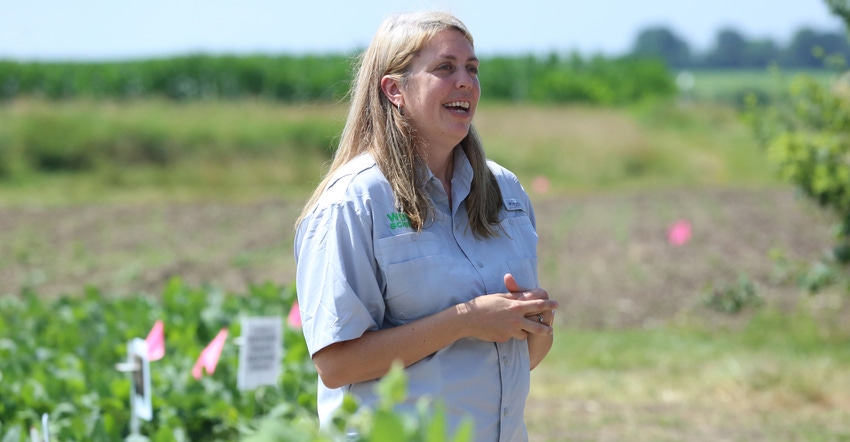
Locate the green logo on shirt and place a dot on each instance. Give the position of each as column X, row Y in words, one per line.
column 398, row 220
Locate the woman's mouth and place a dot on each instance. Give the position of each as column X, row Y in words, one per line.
column 457, row 106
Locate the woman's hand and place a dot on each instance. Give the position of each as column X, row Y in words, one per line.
column 546, row 317
column 538, row 345
column 494, row 318
column 501, row 316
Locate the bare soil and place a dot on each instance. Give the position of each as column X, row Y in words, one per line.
column 609, row 262
column 606, row 257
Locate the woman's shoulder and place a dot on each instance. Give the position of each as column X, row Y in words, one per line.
column 358, row 180
column 514, row 195
column 504, row 176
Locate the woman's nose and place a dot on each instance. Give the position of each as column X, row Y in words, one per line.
column 466, row 80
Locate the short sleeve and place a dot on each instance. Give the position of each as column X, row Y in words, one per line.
column 512, row 189
column 338, row 286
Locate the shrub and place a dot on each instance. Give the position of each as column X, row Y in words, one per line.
column 733, row 298
column 809, row 142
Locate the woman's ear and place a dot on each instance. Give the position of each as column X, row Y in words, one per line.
column 392, row 89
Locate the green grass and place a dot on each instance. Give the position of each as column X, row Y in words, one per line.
column 777, row 377
column 253, row 150
column 153, row 150
column 654, row 146
column 94, row 150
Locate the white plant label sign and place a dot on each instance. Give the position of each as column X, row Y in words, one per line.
column 140, row 390
column 260, row 352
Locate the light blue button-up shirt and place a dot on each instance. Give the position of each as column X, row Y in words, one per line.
column 361, row 267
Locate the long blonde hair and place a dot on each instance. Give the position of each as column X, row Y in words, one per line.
column 375, row 125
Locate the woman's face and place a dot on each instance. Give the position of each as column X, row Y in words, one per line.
column 442, row 90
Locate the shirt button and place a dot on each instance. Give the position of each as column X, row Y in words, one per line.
column 505, row 360
column 480, row 264
column 505, row 412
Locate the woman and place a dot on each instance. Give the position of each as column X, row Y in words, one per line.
column 416, row 248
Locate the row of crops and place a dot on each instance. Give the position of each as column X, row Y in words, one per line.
column 58, row 357
column 552, row 79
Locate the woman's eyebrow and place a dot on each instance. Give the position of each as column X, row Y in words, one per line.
column 454, row 58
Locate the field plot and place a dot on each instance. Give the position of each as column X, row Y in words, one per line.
column 638, row 356
column 605, row 257
column 640, row 353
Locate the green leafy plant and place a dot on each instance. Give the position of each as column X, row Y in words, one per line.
column 808, row 140
column 733, row 298
column 381, row 424
column 812, row 277
column 281, row 78
column 58, row 357
column 810, row 144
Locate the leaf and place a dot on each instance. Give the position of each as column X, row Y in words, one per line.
column 386, row 427
column 392, row 388
column 436, row 430
column 13, row 435
column 465, row 431
column 98, row 431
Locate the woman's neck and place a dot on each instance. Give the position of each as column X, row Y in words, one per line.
column 442, row 166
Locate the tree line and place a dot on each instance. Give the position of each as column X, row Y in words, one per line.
column 808, row 48
column 641, row 73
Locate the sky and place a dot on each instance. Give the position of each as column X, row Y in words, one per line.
column 132, row 29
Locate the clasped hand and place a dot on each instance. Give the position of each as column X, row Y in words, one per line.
column 501, row 316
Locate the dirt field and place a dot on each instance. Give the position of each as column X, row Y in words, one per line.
column 605, row 257
column 608, row 260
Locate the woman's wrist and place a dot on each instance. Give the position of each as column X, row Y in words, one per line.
column 461, row 317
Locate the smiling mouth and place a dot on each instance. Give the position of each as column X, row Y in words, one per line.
column 457, row 106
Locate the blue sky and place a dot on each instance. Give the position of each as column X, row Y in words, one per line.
column 120, row 29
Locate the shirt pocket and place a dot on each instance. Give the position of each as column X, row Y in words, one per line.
column 414, row 274
column 406, row 247
column 519, row 235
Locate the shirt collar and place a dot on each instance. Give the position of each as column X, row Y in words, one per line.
column 462, row 177
column 461, row 180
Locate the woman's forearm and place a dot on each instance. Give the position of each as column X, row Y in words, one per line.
column 491, row 318
column 538, row 348
column 372, row 355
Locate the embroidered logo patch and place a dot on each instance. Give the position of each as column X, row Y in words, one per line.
column 513, row 204
column 398, row 220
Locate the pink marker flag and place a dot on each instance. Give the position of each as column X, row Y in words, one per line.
column 679, row 233
column 540, row 184
column 294, row 318
column 156, row 341
column 209, row 356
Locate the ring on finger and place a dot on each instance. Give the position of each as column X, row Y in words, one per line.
column 540, row 318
